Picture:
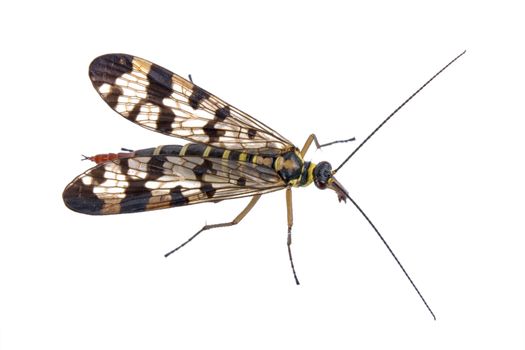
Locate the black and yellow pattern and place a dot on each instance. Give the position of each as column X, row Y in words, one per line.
column 162, row 101
column 232, row 155
column 168, row 176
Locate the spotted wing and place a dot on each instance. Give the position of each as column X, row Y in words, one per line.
column 162, row 101
column 136, row 184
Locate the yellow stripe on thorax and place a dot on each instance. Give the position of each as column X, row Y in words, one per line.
column 310, row 177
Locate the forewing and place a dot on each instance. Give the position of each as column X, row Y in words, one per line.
column 162, row 101
column 136, row 184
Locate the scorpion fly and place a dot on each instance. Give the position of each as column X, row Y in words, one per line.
column 230, row 154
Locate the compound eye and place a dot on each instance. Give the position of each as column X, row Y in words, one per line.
column 326, row 173
column 322, row 173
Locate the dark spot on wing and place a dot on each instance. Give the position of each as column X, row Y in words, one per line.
column 107, row 68
column 222, row 113
column 112, row 96
column 177, row 198
column 97, row 174
column 211, row 169
column 252, row 133
column 136, row 187
column 124, row 165
column 80, row 198
column 160, row 84
column 133, row 114
column 241, row 181
column 212, row 132
column 137, row 197
column 197, row 96
column 208, row 190
column 205, row 168
column 155, row 167
column 199, row 170
column 166, row 119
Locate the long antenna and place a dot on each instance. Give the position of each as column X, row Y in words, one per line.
column 342, row 189
column 391, row 252
column 395, row 111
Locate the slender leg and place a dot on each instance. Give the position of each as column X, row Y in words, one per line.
column 313, row 138
column 235, row 221
column 290, row 224
column 308, row 143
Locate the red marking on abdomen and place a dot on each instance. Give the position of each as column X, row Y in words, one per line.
column 106, row 157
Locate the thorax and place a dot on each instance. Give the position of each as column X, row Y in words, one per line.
column 293, row 169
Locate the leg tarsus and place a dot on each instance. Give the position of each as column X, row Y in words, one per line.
column 235, row 221
column 183, row 244
column 289, row 212
column 334, row 142
column 313, row 138
column 289, row 243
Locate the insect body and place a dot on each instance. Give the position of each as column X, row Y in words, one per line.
column 230, row 154
column 174, row 175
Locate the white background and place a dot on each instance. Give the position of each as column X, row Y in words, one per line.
column 443, row 180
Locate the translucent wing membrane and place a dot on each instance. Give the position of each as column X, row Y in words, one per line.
column 149, row 182
column 162, row 101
